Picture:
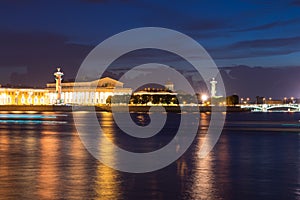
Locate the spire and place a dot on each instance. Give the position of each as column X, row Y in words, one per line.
column 213, row 90
column 58, row 78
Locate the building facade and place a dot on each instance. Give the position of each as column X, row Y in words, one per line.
column 80, row 93
column 87, row 93
column 23, row 96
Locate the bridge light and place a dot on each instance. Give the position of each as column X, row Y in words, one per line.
column 242, row 99
column 204, row 97
column 292, row 98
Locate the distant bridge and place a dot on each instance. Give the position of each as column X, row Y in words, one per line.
column 269, row 107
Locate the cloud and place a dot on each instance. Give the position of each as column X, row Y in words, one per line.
column 268, row 43
column 16, row 1
column 103, row 1
column 269, row 25
column 259, row 81
column 206, row 28
column 257, row 48
column 95, row 1
column 40, row 53
column 164, row 15
column 295, row 3
column 206, row 24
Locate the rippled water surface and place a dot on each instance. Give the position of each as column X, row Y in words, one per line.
column 256, row 157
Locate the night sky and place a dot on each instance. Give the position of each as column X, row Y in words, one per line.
column 256, row 43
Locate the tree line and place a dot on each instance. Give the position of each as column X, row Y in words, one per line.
column 168, row 99
column 153, row 99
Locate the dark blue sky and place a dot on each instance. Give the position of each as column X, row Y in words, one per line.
column 37, row 36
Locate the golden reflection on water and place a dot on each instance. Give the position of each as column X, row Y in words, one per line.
column 40, row 162
column 48, row 169
column 77, row 175
column 205, row 180
column 108, row 180
column 4, row 147
column 4, row 141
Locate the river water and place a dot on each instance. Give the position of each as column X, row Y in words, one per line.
column 256, row 157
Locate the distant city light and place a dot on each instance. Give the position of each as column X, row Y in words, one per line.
column 204, row 97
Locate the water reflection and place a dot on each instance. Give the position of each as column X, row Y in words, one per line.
column 203, row 183
column 209, row 178
column 76, row 174
column 48, row 169
column 50, row 162
column 4, row 168
column 203, row 177
column 108, row 180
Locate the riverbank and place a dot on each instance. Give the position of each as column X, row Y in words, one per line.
column 63, row 108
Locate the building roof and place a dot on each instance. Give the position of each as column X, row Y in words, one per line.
column 103, row 82
column 169, row 82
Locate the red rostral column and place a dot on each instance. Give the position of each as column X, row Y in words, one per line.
column 58, row 79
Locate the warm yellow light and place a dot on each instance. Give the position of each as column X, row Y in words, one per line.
column 204, row 97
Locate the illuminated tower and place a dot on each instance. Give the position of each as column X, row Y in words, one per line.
column 169, row 85
column 213, row 90
column 58, row 79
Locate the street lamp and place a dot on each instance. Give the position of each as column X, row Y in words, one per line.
column 270, row 99
column 248, row 99
column 285, row 100
column 204, row 98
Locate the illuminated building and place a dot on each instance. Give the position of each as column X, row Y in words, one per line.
column 213, row 90
column 215, row 100
column 83, row 93
column 87, row 93
column 58, row 80
column 169, row 85
column 168, row 90
column 23, row 96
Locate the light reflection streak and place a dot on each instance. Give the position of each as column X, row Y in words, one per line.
column 21, row 118
column 76, row 176
column 204, row 179
column 31, row 121
column 27, row 116
column 4, row 148
column 48, row 172
column 108, row 181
